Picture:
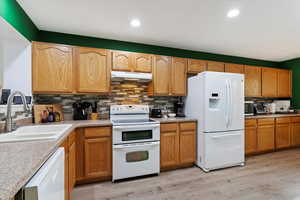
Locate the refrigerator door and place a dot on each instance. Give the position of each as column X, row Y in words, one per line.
column 223, row 101
column 223, row 149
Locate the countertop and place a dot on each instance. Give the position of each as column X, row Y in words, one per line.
column 273, row 116
column 21, row 160
column 174, row 119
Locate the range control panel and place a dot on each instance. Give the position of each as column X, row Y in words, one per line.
column 129, row 109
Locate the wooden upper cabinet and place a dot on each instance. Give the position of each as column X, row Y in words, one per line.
column 121, row 61
column 284, row 83
column 234, row 68
column 196, row 66
column 269, row 82
column 93, row 69
column 142, row 62
column 179, row 76
column 215, row 66
column 161, row 75
column 252, row 81
column 52, row 68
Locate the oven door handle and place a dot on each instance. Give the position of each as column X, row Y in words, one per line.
column 146, row 144
column 134, row 127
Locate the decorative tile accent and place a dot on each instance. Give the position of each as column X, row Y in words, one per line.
column 127, row 92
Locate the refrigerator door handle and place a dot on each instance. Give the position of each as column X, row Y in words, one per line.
column 230, row 104
column 227, row 104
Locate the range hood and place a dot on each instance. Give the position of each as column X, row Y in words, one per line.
column 131, row 76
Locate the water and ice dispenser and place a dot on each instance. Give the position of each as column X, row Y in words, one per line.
column 214, row 100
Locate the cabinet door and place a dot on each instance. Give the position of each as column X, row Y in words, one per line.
column 161, row 75
column 93, row 69
column 196, row 66
column 98, row 157
column 296, row 134
column 169, row 149
column 215, row 66
column 283, row 136
column 284, row 83
column 252, row 81
column 269, row 82
column 265, row 138
column 52, row 68
column 179, row 76
column 234, row 68
column 72, row 167
column 187, row 147
column 121, row 61
column 250, row 140
column 142, row 62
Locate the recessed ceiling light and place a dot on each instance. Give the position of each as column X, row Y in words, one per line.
column 233, row 13
column 135, row 23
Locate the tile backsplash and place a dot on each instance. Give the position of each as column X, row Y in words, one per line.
column 126, row 92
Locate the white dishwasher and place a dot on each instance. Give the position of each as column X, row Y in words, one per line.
column 48, row 182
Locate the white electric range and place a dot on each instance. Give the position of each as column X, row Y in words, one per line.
column 136, row 142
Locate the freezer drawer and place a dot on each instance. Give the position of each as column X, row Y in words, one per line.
column 223, row 149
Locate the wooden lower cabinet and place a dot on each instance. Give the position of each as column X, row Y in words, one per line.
column 177, row 144
column 295, row 134
column 94, row 154
column 283, row 136
column 251, row 138
column 265, row 138
column 72, row 166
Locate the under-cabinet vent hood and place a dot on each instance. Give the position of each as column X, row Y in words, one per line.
column 132, row 76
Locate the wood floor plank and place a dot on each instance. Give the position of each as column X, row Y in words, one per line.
column 269, row 177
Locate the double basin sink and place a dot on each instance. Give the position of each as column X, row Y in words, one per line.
column 32, row 133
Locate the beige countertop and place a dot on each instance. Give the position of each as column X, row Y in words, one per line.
column 272, row 116
column 174, row 119
column 21, row 160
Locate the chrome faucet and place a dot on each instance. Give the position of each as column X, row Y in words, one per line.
column 9, row 122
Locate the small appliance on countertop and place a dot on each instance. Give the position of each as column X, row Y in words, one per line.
column 179, row 107
column 156, row 113
column 249, row 108
column 282, row 106
column 260, row 108
column 81, row 111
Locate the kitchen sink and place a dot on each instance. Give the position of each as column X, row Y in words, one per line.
column 31, row 133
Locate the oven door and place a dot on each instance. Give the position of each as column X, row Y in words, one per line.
column 136, row 133
column 138, row 159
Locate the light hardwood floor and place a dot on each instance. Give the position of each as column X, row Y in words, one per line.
column 270, row 176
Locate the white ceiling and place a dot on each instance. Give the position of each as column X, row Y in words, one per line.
column 265, row 29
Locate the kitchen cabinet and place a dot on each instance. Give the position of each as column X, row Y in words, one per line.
column 177, row 145
column 142, row 62
column 187, row 144
column 284, row 83
column 179, row 76
column 72, row 161
column 234, row 68
column 196, row 66
column 252, row 81
column 169, row 145
column 283, row 133
column 98, row 152
column 269, row 82
column 161, row 76
column 250, row 136
column 93, row 70
column 133, row 62
column 121, row 61
column 52, row 68
column 266, row 134
column 295, row 135
column 215, row 66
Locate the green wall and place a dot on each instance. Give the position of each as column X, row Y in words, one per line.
column 12, row 12
column 78, row 40
column 294, row 65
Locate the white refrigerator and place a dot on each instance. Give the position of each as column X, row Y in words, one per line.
column 216, row 100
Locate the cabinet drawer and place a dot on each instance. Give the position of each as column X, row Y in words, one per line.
column 168, row 127
column 266, row 121
column 250, row 122
column 283, row 120
column 187, row 126
column 72, row 138
column 295, row 119
column 97, row 132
